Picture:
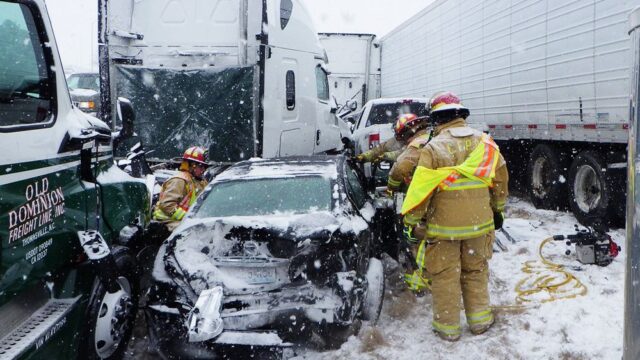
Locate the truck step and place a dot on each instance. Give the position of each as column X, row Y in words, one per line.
column 37, row 329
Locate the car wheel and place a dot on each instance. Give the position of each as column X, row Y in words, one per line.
column 589, row 189
column 110, row 316
column 372, row 304
column 545, row 172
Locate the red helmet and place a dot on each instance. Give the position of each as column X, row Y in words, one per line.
column 196, row 154
column 446, row 101
column 407, row 125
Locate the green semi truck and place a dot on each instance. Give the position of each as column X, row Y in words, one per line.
column 70, row 220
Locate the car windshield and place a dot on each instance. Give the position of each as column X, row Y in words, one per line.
column 296, row 195
column 387, row 113
column 84, row 82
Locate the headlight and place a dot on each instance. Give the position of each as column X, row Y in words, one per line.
column 87, row 105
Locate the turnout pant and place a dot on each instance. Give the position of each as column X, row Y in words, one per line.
column 459, row 270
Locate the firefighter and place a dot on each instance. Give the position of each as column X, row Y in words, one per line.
column 459, row 188
column 181, row 190
column 411, row 130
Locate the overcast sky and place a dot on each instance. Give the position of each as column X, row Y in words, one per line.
column 74, row 23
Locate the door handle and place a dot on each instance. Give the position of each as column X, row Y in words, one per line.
column 318, row 137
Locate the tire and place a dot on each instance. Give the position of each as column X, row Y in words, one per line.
column 334, row 335
column 589, row 188
column 372, row 304
column 545, row 173
column 99, row 341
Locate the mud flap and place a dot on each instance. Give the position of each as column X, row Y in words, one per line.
column 102, row 260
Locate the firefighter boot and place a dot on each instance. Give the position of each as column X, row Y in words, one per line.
column 477, row 329
column 447, row 337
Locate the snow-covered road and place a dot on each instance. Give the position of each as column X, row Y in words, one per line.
column 585, row 327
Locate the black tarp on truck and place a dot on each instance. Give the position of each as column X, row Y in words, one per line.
column 175, row 111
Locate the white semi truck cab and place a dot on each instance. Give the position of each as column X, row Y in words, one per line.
column 243, row 78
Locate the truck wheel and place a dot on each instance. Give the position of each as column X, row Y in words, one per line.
column 589, row 189
column 545, row 170
column 110, row 316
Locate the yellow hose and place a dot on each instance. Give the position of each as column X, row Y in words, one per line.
column 548, row 278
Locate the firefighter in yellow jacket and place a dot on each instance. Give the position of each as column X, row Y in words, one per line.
column 459, row 189
column 181, row 191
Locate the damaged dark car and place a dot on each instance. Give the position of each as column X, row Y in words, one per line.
column 273, row 252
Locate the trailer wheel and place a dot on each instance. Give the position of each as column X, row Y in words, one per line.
column 110, row 316
column 589, row 189
column 545, row 170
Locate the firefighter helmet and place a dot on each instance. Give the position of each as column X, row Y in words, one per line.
column 196, row 154
column 446, row 104
column 408, row 124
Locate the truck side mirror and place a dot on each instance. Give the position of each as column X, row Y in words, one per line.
column 126, row 117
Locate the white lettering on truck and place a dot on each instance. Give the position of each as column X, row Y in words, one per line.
column 42, row 207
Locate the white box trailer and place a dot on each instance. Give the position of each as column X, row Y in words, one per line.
column 354, row 67
column 549, row 79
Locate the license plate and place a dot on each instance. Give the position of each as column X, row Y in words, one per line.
column 255, row 276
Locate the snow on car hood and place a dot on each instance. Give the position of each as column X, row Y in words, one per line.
column 196, row 242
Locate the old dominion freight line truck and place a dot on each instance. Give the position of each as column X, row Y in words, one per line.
column 243, row 78
column 68, row 215
column 548, row 79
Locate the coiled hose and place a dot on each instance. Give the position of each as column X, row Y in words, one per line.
column 547, row 281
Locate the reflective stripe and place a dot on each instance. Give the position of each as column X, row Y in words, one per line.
column 500, row 205
column 411, row 220
column 422, row 250
column 158, row 214
column 178, row 214
column 416, row 281
column 393, row 183
column 459, row 232
column 446, row 329
column 482, row 317
column 465, row 184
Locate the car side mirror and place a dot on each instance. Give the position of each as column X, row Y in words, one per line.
column 126, row 117
column 353, row 105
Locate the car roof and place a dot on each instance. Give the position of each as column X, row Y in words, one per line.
column 316, row 165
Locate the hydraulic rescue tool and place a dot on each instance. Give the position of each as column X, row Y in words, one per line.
column 593, row 244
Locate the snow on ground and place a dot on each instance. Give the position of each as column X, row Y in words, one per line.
column 586, row 327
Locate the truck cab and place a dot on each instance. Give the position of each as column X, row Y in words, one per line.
column 67, row 212
column 241, row 78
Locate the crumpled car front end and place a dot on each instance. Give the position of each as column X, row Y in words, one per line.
column 274, row 283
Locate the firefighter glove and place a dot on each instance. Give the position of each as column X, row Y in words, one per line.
column 407, row 234
column 498, row 219
column 388, row 156
column 389, row 193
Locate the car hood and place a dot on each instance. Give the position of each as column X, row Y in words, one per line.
column 197, row 245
